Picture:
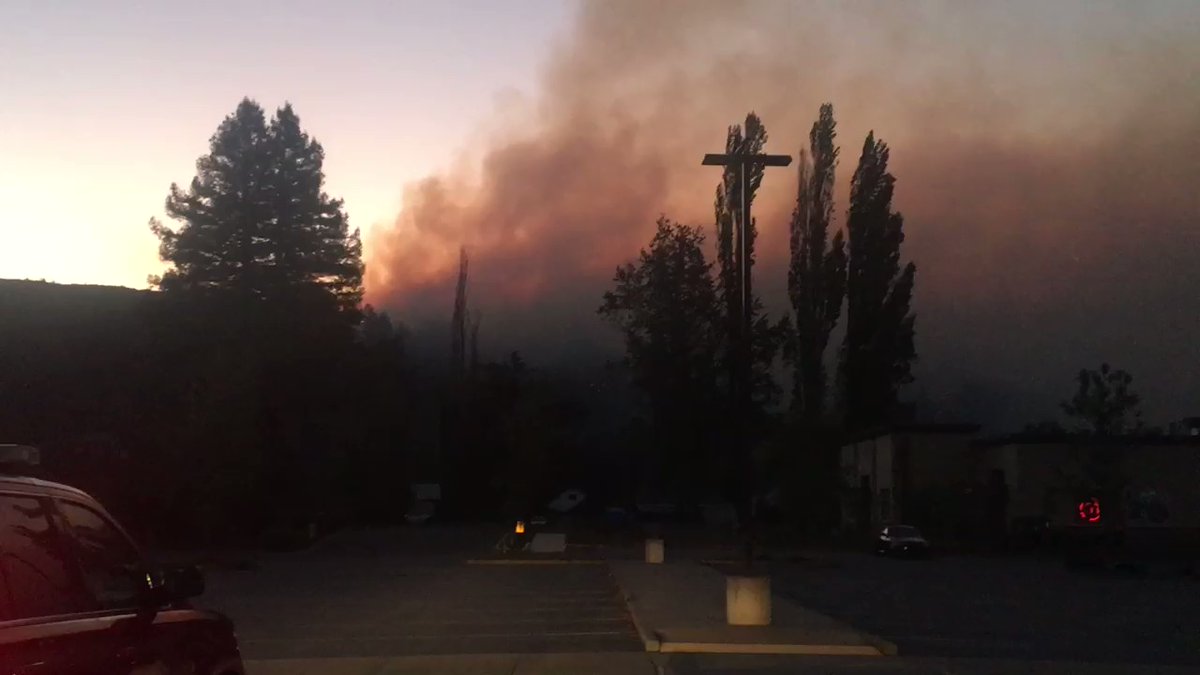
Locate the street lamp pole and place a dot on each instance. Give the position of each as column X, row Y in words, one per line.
column 741, row 375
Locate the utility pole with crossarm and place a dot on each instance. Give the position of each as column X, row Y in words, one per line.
column 741, row 379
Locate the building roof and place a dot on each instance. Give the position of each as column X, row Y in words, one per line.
column 1125, row 440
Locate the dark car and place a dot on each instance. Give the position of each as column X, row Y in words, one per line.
column 77, row 596
column 902, row 540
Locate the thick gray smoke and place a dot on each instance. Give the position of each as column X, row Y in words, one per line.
column 1047, row 157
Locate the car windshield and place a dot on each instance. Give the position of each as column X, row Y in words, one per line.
column 903, row 531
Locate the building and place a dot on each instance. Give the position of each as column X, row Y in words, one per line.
column 1188, row 426
column 945, row 479
column 886, row 472
column 1050, row 477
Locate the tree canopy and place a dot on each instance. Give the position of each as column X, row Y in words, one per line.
column 1104, row 402
column 667, row 309
column 878, row 350
column 817, row 270
column 766, row 336
column 255, row 219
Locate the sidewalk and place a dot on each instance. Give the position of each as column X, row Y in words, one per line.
column 616, row 663
column 680, row 607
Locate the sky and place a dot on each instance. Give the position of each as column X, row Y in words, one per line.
column 105, row 103
column 1046, row 154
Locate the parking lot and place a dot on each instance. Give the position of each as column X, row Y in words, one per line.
column 411, row 592
column 423, row 591
column 1010, row 607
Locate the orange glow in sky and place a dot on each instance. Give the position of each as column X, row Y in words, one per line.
column 105, row 104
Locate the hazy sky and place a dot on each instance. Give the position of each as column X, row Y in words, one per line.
column 1047, row 157
column 103, row 103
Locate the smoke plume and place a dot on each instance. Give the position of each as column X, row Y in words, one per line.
column 1047, row 161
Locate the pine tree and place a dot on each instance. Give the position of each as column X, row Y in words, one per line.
column 878, row 350
column 308, row 241
column 817, row 272
column 256, row 221
column 222, row 211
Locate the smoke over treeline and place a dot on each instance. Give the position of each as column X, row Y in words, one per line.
column 1047, row 158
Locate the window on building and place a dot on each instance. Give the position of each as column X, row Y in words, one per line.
column 38, row 574
column 111, row 565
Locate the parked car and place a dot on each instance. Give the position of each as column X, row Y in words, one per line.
column 77, row 597
column 901, row 540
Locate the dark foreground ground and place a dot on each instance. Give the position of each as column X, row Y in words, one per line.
column 412, row 592
column 1009, row 607
column 417, row 593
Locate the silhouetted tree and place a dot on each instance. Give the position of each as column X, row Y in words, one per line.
column 1043, row 428
column 667, row 308
column 266, row 272
column 1104, row 402
column 766, row 337
column 256, row 220
column 817, row 273
column 1103, row 405
column 377, row 328
column 309, row 241
column 878, row 350
column 517, row 441
column 458, row 320
column 728, row 206
column 476, row 319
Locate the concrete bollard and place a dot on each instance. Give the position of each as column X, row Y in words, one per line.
column 654, row 551
column 748, row 601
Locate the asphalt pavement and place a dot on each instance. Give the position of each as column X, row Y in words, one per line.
column 1004, row 608
column 704, row 664
column 400, row 593
column 628, row 663
column 410, row 600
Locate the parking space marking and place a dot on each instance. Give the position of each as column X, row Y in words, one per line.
column 377, row 606
column 440, row 636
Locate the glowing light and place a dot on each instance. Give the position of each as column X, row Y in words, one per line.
column 1089, row 510
column 520, row 527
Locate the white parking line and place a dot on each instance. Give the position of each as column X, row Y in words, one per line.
column 341, row 625
column 340, row 639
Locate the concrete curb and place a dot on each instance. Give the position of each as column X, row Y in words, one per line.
column 650, row 639
column 509, row 561
column 763, row 648
column 655, row 642
column 885, row 647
